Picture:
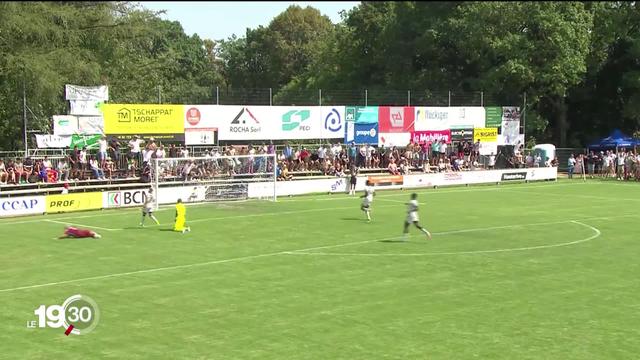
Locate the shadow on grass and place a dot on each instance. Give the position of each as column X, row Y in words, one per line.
column 353, row 219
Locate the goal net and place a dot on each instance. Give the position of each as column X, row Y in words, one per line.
column 214, row 178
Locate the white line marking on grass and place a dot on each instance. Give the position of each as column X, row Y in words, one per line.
column 596, row 234
column 288, row 252
column 76, row 224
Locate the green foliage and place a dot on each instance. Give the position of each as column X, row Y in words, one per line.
column 45, row 45
column 577, row 61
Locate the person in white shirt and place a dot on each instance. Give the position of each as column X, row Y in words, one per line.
column 321, row 154
column 412, row 217
column 63, row 170
column 620, row 163
column 134, row 145
column 97, row 170
column 147, row 208
column 369, row 193
column 492, row 161
column 184, row 152
column 147, row 155
column 102, row 150
column 161, row 153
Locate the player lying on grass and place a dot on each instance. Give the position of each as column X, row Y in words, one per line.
column 412, row 217
column 72, row 232
column 181, row 218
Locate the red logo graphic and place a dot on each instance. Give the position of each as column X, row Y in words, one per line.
column 396, row 119
column 193, row 116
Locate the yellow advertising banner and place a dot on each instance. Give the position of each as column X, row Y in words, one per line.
column 73, row 202
column 143, row 119
column 485, row 134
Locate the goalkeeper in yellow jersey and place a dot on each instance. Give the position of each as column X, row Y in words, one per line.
column 181, row 218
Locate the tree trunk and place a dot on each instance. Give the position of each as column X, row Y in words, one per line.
column 559, row 108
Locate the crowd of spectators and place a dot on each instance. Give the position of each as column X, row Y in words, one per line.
column 623, row 165
column 113, row 160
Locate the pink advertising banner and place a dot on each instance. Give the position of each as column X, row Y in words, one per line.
column 431, row 135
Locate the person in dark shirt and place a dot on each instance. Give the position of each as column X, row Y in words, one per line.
column 114, row 151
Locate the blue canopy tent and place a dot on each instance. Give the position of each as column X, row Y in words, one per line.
column 614, row 141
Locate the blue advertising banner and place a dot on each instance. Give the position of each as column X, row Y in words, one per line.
column 361, row 133
column 362, row 115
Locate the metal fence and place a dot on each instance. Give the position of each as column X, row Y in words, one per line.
column 361, row 97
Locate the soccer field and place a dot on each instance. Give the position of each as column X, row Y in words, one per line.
column 545, row 270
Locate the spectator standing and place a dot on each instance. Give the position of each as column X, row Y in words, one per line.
column 322, row 152
column 173, row 151
column 83, row 162
column 571, row 166
column 352, row 150
column 114, row 150
column 161, row 153
column 287, row 152
column 134, row 148
column 102, row 150
column 620, row 162
column 492, row 161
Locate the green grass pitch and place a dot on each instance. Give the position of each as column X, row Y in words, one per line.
column 545, row 270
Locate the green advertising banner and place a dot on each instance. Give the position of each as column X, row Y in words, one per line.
column 362, row 114
column 493, row 117
column 90, row 141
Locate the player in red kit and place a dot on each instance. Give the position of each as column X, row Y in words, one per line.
column 70, row 231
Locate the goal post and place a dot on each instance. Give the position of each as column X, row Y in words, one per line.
column 215, row 178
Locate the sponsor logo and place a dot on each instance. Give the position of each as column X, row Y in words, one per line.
column 74, row 202
column 462, row 134
column 293, row 119
column 63, row 122
column 243, row 122
column 396, row 117
column 350, row 114
column 338, row 185
column 142, row 115
column 193, row 116
column 424, row 114
column 372, row 132
column 514, row 176
column 18, row 205
column 124, row 115
column 333, row 122
column 125, row 198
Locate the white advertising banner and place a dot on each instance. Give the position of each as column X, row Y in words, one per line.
column 279, row 122
column 299, row 187
column 53, row 141
column 65, row 124
column 444, row 118
column 393, row 139
column 200, row 136
column 123, row 198
column 188, row 194
column 488, row 148
column 22, row 205
column 90, row 125
column 85, row 107
column 86, row 93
